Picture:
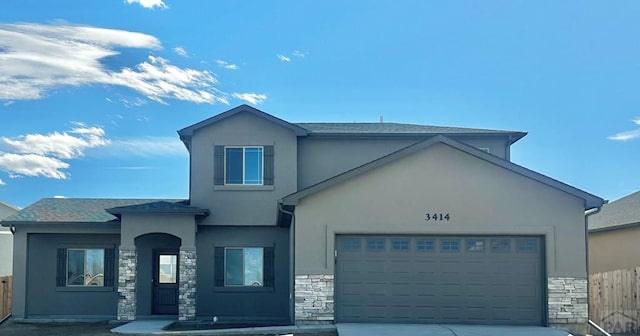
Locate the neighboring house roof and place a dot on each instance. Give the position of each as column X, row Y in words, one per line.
column 386, row 128
column 79, row 210
column 617, row 214
column 7, row 210
column 590, row 201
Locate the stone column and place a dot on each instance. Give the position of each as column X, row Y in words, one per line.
column 568, row 304
column 314, row 299
column 127, row 269
column 187, row 284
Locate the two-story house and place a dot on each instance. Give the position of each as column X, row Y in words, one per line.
column 319, row 223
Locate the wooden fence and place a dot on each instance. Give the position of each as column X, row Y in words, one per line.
column 6, row 285
column 614, row 301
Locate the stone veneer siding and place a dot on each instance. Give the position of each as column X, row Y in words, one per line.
column 127, row 268
column 568, row 303
column 187, row 285
column 314, row 299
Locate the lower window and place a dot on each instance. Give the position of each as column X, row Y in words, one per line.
column 244, row 266
column 85, row 267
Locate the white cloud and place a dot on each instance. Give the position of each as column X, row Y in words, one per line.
column 18, row 165
column 59, row 196
column 37, row 58
column 62, row 145
column 43, row 154
column 226, row 65
column 253, row 98
column 628, row 135
column 181, row 51
column 2, row 182
column 299, row 54
column 283, row 58
column 145, row 147
column 151, row 4
column 9, row 103
column 136, row 102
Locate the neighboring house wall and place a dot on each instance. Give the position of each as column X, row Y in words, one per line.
column 6, row 241
column 242, row 205
column 614, row 249
column 320, row 158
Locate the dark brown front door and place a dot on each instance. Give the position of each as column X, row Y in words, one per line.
column 165, row 282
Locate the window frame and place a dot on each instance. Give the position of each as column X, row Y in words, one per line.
column 85, row 250
column 244, row 169
column 110, row 270
column 243, row 248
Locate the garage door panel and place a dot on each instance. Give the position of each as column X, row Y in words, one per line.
column 395, row 281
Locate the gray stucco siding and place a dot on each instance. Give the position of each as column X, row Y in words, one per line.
column 45, row 299
column 6, row 252
column 255, row 304
column 481, row 198
column 321, row 158
column 242, row 205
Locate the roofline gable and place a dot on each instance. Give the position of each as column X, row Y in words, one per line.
column 590, row 200
column 187, row 132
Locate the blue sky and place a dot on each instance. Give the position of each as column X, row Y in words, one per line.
column 92, row 92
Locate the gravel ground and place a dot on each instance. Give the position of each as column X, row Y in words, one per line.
column 11, row 328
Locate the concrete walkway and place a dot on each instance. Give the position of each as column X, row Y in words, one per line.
column 367, row 329
column 156, row 327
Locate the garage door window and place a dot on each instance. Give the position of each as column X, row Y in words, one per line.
column 450, row 245
column 425, row 245
column 400, row 244
column 500, row 245
column 375, row 244
column 475, row 245
column 351, row 244
column 527, row 246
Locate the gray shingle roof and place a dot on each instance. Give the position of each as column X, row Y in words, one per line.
column 619, row 213
column 78, row 210
column 393, row 128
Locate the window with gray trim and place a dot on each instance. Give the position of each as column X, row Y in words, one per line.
column 85, row 267
column 243, row 165
column 244, row 266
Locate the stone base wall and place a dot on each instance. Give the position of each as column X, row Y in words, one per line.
column 127, row 269
column 568, row 304
column 187, row 285
column 314, row 299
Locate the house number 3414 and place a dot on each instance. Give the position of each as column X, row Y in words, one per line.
column 437, row 216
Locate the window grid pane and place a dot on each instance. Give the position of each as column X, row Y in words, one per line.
column 425, row 245
column 450, row 245
column 375, row 244
column 85, row 267
column 244, row 266
column 253, row 165
column 234, row 270
column 234, row 165
column 500, row 245
column 475, row 245
column 400, row 244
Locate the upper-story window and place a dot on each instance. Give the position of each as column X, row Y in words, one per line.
column 238, row 166
column 243, row 165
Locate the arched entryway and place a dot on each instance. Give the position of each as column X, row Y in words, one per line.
column 157, row 274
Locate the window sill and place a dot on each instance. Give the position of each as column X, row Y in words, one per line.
column 84, row 289
column 243, row 188
column 242, row 289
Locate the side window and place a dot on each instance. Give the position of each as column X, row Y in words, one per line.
column 243, row 165
column 243, row 267
column 85, row 267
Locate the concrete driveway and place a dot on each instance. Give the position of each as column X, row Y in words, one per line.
column 366, row 329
